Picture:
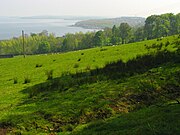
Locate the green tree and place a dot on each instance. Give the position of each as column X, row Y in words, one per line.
column 107, row 34
column 87, row 40
column 173, row 24
column 161, row 25
column 44, row 47
column 149, row 27
column 44, row 33
column 98, row 38
column 115, row 38
column 177, row 18
column 70, row 43
column 139, row 34
column 125, row 32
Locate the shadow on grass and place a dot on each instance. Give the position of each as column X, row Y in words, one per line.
column 148, row 121
column 112, row 71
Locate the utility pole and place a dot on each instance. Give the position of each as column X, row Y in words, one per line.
column 23, row 43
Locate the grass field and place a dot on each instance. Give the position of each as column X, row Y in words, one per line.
column 64, row 104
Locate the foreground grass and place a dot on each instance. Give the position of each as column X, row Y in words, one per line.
column 150, row 121
column 45, row 107
column 55, row 111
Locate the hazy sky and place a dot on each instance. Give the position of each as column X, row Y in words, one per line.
column 110, row 8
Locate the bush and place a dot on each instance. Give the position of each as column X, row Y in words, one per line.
column 153, row 45
column 27, row 80
column 76, row 65
column 66, row 73
column 159, row 47
column 49, row 74
column 44, row 47
column 68, row 127
column 38, row 65
column 79, row 59
column 159, row 39
column 15, row 80
column 103, row 49
column 88, row 67
column 167, row 43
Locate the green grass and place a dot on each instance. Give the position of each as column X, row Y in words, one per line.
column 148, row 121
column 43, row 106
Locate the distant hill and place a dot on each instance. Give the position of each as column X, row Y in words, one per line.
column 102, row 23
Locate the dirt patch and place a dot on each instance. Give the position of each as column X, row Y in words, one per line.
column 3, row 131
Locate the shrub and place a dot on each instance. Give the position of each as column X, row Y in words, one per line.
column 167, row 43
column 153, row 45
column 76, row 65
column 159, row 47
column 177, row 42
column 27, row 80
column 38, row 65
column 103, row 49
column 66, row 73
column 49, row 74
column 68, row 127
column 88, row 67
column 44, row 47
column 15, row 80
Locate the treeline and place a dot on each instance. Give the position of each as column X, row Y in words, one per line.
column 156, row 26
column 162, row 25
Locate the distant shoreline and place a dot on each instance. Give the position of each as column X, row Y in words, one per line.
column 12, row 26
column 110, row 22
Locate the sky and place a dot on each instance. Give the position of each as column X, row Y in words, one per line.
column 105, row 8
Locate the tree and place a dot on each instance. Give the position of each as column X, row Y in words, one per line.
column 70, row 42
column 161, row 25
column 139, row 34
column 107, row 34
column 44, row 47
column 115, row 38
column 124, row 32
column 87, row 40
column 173, row 24
column 149, row 27
column 44, row 33
column 98, row 38
column 33, row 34
column 178, row 23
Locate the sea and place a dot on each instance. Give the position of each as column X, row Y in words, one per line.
column 11, row 27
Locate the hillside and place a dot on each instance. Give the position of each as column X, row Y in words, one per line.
column 123, row 89
column 103, row 23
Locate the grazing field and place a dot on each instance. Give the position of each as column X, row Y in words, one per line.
column 86, row 92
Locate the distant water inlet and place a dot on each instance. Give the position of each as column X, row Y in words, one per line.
column 12, row 26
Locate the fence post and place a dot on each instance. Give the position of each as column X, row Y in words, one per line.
column 23, row 44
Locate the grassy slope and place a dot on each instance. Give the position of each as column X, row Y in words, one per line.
column 56, row 110
column 160, row 118
column 149, row 121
